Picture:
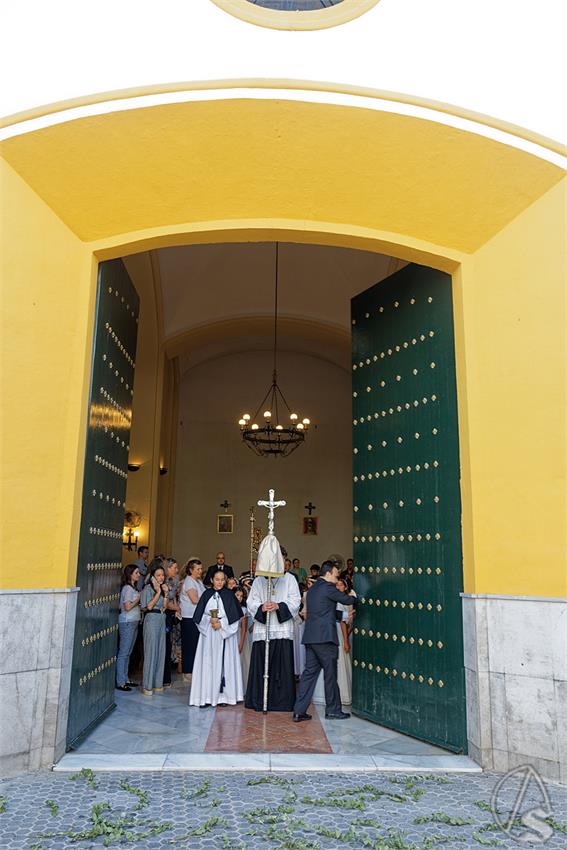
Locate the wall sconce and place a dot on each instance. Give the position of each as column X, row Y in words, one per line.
column 132, row 520
column 163, row 470
column 133, row 467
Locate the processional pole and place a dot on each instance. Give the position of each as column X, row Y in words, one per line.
column 252, row 520
column 271, row 504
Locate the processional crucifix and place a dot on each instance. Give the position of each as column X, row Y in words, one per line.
column 271, row 505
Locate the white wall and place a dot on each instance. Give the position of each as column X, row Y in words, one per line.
column 214, row 465
column 502, row 58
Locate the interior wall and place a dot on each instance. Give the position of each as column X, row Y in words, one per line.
column 214, row 465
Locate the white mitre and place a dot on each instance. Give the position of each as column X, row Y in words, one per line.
column 270, row 561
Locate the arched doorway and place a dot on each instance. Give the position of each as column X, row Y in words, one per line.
column 408, row 187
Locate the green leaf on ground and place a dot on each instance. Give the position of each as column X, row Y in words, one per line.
column 270, row 780
column 487, row 842
column 137, row 792
column 334, row 803
column 201, row 791
column 443, row 817
column 557, row 825
column 112, row 831
column 87, row 774
column 482, row 804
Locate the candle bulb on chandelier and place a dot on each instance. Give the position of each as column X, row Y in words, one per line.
column 270, row 438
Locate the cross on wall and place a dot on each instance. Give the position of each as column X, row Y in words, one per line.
column 310, row 507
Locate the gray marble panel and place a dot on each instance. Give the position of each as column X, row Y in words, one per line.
column 501, row 760
column 521, row 636
column 35, row 677
column 469, row 634
column 19, row 701
column 72, row 762
column 531, row 717
column 559, row 645
column 311, row 762
column 561, row 708
column 548, row 769
column 498, row 705
column 472, row 705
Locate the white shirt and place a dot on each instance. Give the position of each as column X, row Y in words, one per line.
column 128, row 594
column 188, row 607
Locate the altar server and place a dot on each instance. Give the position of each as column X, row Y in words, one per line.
column 217, row 671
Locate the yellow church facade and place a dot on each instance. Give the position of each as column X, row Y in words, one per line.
column 241, row 160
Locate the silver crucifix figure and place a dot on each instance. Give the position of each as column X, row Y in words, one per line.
column 269, row 542
column 271, row 505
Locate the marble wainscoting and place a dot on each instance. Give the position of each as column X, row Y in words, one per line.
column 37, row 628
column 515, row 651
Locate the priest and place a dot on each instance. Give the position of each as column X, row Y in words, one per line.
column 273, row 604
column 217, row 671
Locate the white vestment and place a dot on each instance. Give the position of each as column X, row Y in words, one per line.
column 208, row 664
column 284, row 589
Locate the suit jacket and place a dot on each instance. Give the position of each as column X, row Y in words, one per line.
column 321, row 622
column 214, row 568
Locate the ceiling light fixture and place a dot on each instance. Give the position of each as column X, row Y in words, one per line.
column 275, row 436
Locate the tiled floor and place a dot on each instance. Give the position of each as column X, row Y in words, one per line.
column 163, row 733
column 244, row 731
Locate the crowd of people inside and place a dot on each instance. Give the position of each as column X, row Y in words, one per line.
column 209, row 627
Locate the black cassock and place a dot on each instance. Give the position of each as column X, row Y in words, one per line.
column 281, row 684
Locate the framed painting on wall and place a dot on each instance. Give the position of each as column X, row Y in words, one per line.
column 225, row 523
column 310, row 524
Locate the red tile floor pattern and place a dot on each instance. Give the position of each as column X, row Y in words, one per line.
column 237, row 729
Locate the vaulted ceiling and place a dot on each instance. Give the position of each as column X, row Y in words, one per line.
column 220, row 298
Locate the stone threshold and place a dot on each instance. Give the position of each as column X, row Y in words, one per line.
column 266, row 762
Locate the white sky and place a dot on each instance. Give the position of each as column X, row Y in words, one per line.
column 505, row 58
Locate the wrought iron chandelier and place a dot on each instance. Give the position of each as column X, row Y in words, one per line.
column 280, row 431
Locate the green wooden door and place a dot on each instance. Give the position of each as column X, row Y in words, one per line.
column 408, row 643
column 104, row 494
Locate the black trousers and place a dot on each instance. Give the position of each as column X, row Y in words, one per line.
column 319, row 656
column 189, row 641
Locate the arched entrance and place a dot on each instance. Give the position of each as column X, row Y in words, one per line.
column 311, row 172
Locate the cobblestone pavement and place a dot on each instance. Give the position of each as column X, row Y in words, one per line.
column 234, row 811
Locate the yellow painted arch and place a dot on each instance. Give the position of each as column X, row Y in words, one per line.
column 161, row 167
column 243, row 169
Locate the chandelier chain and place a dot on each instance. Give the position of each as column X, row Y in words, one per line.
column 274, row 378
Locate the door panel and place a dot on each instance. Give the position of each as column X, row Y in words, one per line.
column 104, row 493
column 408, row 670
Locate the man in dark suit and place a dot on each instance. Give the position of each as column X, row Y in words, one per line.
column 322, row 645
column 219, row 567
